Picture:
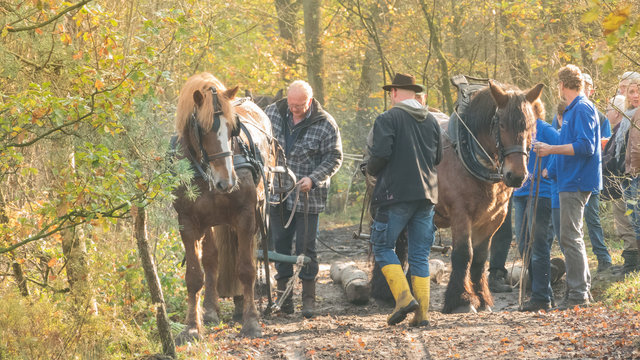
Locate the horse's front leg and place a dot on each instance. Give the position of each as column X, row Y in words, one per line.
column 194, row 279
column 459, row 296
column 478, row 275
column 246, row 270
column 210, row 264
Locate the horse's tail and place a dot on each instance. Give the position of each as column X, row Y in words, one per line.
column 226, row 241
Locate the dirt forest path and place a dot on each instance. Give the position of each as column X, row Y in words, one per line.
column 345, row 331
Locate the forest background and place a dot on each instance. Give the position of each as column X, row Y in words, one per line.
column 88, row 92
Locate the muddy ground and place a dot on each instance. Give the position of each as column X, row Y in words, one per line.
column 345, row 331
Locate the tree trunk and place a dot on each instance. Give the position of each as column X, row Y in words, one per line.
column 164, row 328
column 516, row 55
column 75, row 251
column 20, row 280
column 315, row 61
column 288, row 26
column 434, row 33
column 369, row 80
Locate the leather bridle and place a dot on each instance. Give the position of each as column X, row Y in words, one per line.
column 504, row 151
column 197, row 132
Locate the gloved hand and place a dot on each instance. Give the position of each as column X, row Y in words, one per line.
column 363, row 168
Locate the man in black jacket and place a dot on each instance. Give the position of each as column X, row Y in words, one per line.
column 405, row 150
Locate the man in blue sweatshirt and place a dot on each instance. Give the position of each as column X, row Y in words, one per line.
column 579, row 174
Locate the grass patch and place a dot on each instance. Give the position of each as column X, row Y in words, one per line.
column 624, row 295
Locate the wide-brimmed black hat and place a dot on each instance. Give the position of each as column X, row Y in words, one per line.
column 404, row 81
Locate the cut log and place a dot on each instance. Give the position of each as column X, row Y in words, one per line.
column 354, row 281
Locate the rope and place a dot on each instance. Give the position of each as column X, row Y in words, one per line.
column 531, row 220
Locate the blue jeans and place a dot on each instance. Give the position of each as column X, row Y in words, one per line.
column 596, row 235
column 305, row 236
column 632, row 200
column 417, row 217
column 500, row 243
column 540, row 264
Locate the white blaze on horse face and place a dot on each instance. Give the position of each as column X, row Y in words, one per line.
column 223, row 138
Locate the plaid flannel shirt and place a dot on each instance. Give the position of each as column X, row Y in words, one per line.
column 317, row 152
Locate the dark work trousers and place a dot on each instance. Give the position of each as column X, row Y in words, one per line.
column 500, row 244
column 283, row 240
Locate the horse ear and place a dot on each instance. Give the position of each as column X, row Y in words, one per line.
column 279, row 95
column 247, row 93
column 499, row 95
column 231, row 93
column 198, row 98
column 534, row 94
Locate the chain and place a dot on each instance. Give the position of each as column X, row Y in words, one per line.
column 299, row 264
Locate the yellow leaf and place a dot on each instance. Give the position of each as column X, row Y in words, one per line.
column 65, row 38
column 616, row 19
column 52, row 262
column 99, row 84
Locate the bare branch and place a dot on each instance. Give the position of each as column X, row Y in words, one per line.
column 60, row 14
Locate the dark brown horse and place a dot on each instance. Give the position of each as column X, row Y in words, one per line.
column 223, row 219
column 503, row 122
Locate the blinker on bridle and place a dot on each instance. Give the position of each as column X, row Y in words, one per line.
column 504, row 151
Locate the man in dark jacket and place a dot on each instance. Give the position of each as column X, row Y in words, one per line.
column 405, row 150
column 313, row 149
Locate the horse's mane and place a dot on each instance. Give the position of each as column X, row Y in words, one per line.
column 203, row 82
column 482, row 107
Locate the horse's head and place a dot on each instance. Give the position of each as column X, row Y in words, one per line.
column 513, row 127
column 206, row 123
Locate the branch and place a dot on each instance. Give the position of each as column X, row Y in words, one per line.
column 65, row 125
column 58, row 225
column 47, row 286
column 60, row 14
column 627, row 56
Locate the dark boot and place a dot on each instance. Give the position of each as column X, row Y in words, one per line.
column 308, row 298
column 497, row 282
column 631, row 261
column 287, row 305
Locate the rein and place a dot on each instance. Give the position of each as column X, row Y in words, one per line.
column 503, row 151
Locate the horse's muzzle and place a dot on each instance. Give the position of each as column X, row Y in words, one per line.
column 513, row 180
column 225, row 186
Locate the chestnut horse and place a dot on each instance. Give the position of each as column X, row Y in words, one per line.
column 225, row 214
column 503, row 123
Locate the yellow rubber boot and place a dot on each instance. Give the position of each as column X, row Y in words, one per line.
column 422, row 292
column 405, row 303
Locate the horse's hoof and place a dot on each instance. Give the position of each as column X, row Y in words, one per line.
column 465, row 309
column 211, row 318
column 237, row 317
column 187, row 336
column 485, row 308
column 251, row 330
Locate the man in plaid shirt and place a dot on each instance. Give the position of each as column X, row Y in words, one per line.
column 311, row 142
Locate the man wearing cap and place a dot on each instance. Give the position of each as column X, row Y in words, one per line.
column 592, row 210
column 404, row 153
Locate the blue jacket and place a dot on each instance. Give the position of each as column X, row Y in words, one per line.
column 605, row 125
column 580, row 128
column 547, row 134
